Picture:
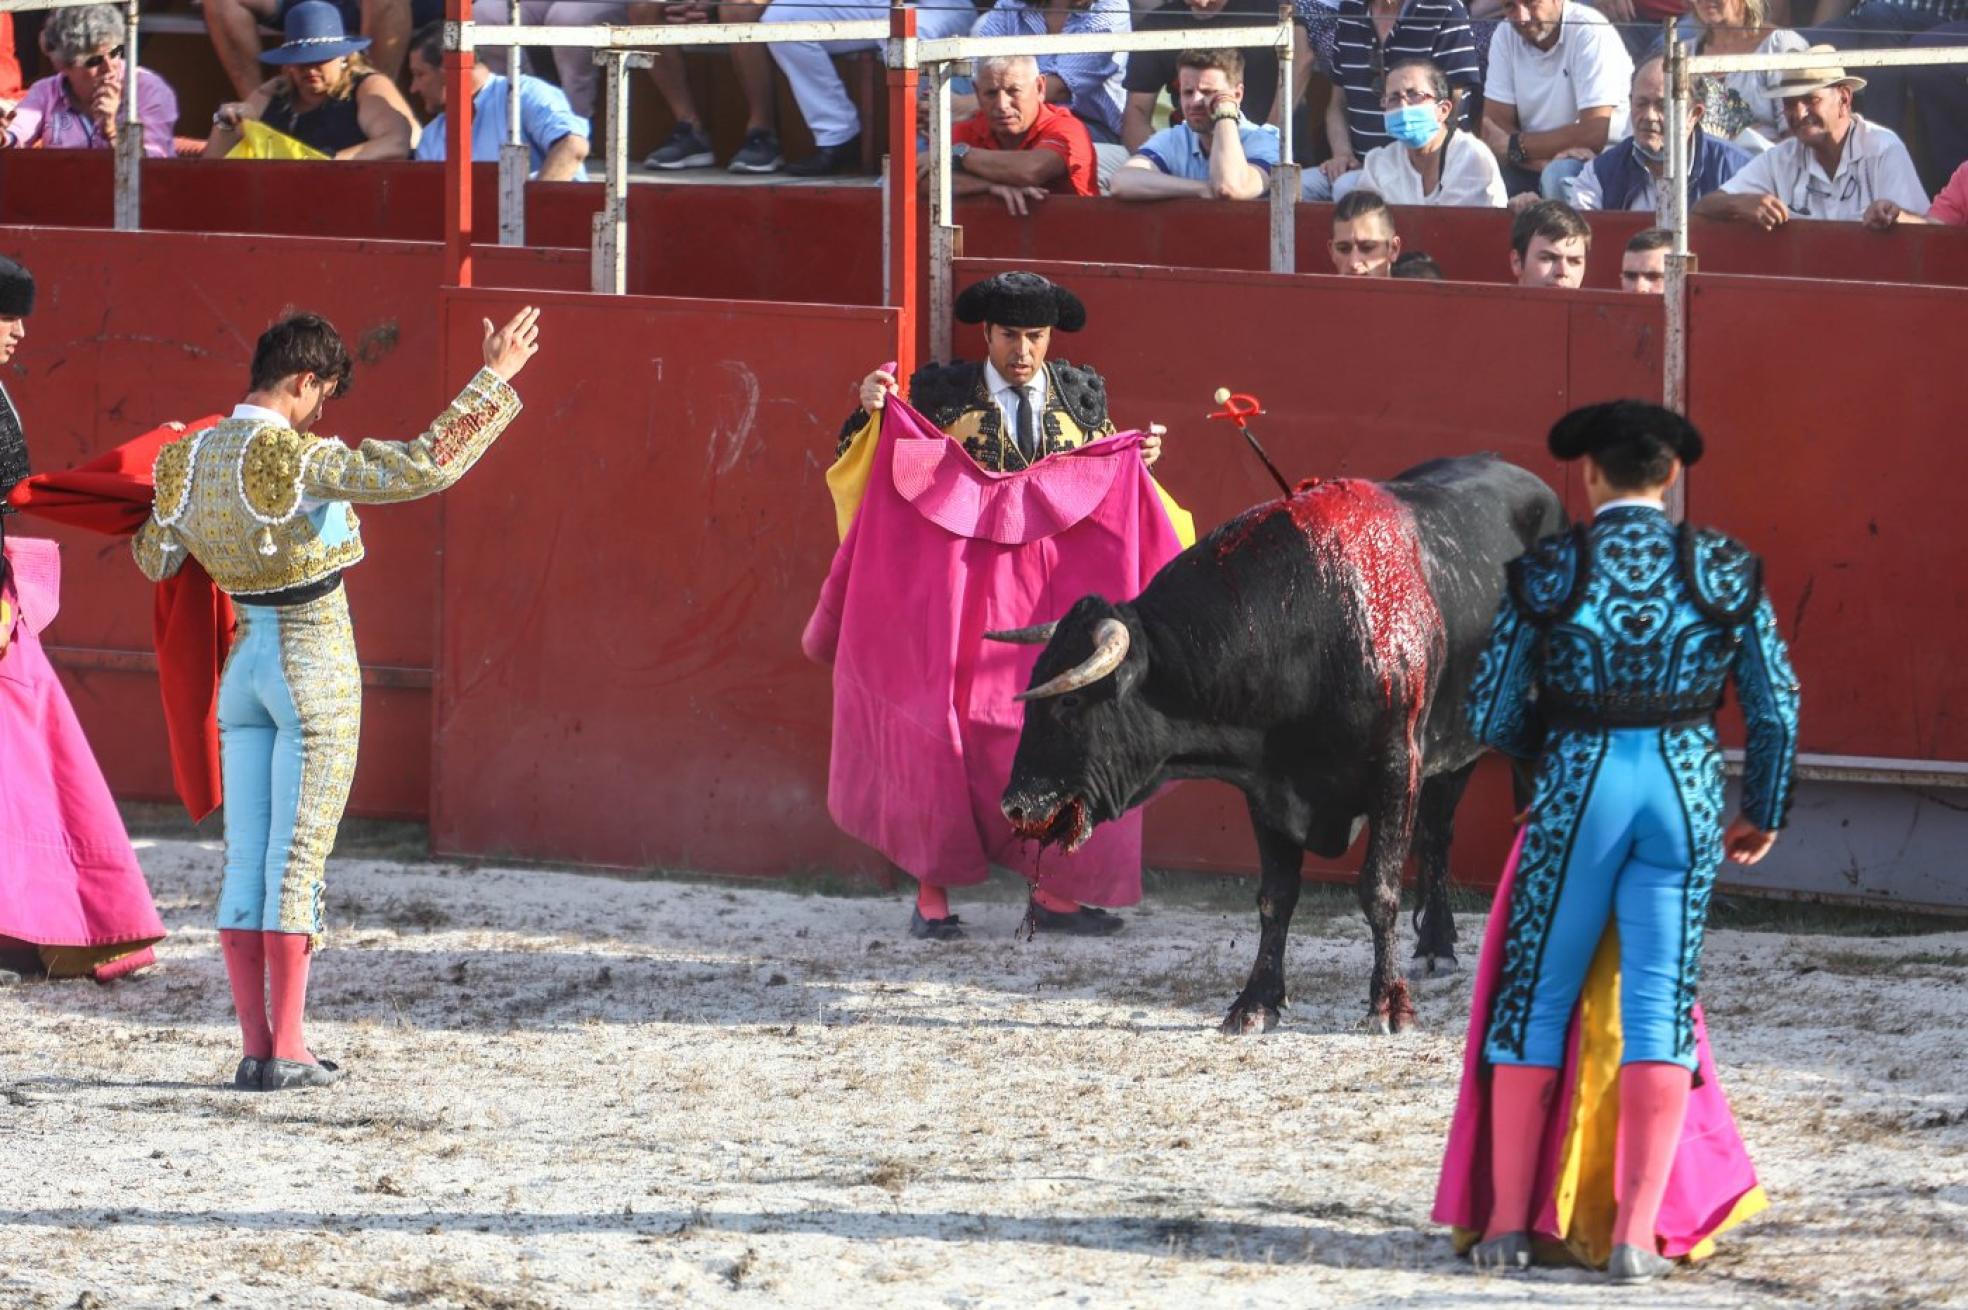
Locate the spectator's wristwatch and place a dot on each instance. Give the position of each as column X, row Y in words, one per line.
column 957, row 153
column 1514, row 152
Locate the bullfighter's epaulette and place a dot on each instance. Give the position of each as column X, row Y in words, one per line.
column 943, row 392
column 1082, row 393
column 1547, row 582
column 1725, row 577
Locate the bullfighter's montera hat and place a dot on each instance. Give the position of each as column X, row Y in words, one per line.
column 1624, row 424
column 1021, row 300
column 16, row 290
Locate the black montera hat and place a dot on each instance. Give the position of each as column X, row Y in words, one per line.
column 16, row 290
column 1023, row 300
column 1624, row 423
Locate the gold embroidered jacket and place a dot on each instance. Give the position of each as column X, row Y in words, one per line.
column 266, row 509
column 957, row 400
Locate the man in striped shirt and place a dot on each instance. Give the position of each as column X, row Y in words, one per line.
column 1374, row 36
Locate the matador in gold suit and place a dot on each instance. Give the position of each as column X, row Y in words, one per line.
column 268, row 508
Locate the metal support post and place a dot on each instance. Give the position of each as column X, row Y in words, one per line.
column 515, row 160
column 945, row 237
column 457, row 143
column 1680, row 262
column 130, row 139
column 1284, row 178
column 609, row 270
column 903, row 84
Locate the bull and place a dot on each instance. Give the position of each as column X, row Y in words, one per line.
column 1314, row 652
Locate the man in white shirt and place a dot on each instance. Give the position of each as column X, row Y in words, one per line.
column 1429, row 162
column 1556, row 92
column 1833, row 165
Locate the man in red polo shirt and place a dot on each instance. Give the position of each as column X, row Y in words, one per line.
column 1018, row 147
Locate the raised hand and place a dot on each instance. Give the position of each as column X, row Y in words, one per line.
column 508, row 348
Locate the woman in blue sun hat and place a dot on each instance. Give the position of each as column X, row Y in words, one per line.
column 326, row 97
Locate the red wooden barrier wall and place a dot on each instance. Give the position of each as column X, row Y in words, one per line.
column 1840, row 465
column 625, row 582
column 822, row 244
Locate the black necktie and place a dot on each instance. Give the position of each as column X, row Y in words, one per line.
column 1028, row 437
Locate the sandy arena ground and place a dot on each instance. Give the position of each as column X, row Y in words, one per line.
column 575, row 1091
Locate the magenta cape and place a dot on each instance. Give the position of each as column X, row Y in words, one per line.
column 925, row 720
column 1713, row 1185
column 70, row 885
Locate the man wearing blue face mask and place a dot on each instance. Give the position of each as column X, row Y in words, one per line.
column 1429, row 162
column 1627, row 176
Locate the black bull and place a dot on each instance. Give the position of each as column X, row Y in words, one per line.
column 1313, row 652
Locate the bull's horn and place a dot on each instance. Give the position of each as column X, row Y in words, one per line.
column 1110, row 647
column 1036, row 635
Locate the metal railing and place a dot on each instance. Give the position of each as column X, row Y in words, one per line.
column 129, row 150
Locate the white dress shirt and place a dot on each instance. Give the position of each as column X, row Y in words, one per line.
column 1006, row 396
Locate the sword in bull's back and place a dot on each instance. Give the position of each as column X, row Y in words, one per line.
column 1240, row 408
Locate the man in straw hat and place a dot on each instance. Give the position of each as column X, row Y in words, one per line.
column 1009, row 411
column 1834, row 164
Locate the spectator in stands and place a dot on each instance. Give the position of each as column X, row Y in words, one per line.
column 575, row 66
column 1950, row 206
column 1883, row 25
column 555, row 136
column 81, row 105
column 234, row 26
column 1214, row 152
column 1428, row 162
column 1627, row 176
column 1151, row 72
column 326, row 97
column 1643, row 267
column 689, row 145
column 1742, row 108
column 809, row 70
column 1835, row 165
column 1364, row 243
column 1556, row 92
column 1549, row 243
column 1090, row 84
column 1018, row 146
column 1416, row 264
column 1372, row 37
column 1639, row 21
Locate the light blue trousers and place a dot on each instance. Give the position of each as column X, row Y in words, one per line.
column 290, row 713
column 1633, row 860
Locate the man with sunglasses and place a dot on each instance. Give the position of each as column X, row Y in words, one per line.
column 1364, row 243
column 80, row 107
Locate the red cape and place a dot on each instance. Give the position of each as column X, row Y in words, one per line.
column 191, row 625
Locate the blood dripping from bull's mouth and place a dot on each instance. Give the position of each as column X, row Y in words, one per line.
column 1368, row 539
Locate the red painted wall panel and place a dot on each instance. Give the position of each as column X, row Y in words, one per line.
column 822, row 244
column 626, row 577
column 1840, row 469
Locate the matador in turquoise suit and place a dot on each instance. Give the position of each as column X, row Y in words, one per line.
column 1607, row 663
column 267, row 508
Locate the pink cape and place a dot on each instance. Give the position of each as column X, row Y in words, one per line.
column 925, row 720
column 1712, row 1184
column 70, row 885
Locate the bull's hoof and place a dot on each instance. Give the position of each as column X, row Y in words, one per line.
column 1394, row 1012
column 1249, row 1020
column 1427, row 967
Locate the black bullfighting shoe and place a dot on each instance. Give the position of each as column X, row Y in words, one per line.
column 291, row 1075
column 1504, row 1254
column 247, row 1076
column 1087, row 921
column 1631, row 1264
column 949, row 928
